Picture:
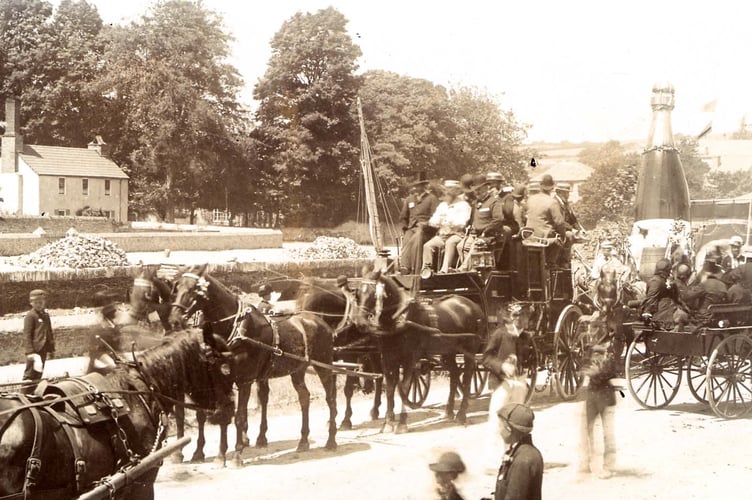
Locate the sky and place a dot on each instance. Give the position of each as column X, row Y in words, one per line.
column 574, row 70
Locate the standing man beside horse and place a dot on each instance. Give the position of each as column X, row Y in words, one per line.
column 417, row 209
column 38, row 340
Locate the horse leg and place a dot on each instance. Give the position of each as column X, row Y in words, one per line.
column 304, row 397
column 407, row 375
column 329, row 381
column 391, row 383
column 198, row 455
column 263, row 397
column 349, row 389
column 177, row 457
column 467, row 375
column 222, row 457
column 450, row 364
column 378, row 388
column 241, row 421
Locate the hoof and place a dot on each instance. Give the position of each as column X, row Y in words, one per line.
column 197, row 458
column 449, row 415
column 246, row 441
column 261, row 443
column 303, row 446
column 387, row 427
column 401, row 429
column 374, row 414
column 331, row 445
column 220, row 462
column 346, row 425
column 461, row 418
column 176, row 458
column 237, row 461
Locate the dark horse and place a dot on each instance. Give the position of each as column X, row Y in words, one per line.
column 303, row 335
column 150, row 293
column 408, row 330
column 613, row 294
column 51, row 448
column 350, row 345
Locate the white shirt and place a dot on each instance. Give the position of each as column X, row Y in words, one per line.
column 451, row 218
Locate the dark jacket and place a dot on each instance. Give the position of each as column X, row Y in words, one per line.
column 570, row 219
column 660, row 300
column 507, row 210
column 416, row 209
column 711, row 291
column 501, row 345
column 487, row 216
column 521, row 473
column 738, row 294
column 38, row 333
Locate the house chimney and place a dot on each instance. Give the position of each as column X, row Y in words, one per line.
column 12, row 140
column 100, row 146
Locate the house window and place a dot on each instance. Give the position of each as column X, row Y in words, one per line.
column 107, row 187
column 62, row 212
column 61, row 185
column 85, row 186
column 220, row 216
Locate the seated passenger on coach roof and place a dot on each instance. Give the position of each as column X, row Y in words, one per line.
column 451, row 218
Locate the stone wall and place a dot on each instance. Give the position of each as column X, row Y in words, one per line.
column 56, row 226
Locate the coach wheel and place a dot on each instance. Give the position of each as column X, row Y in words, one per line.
column 729, row 377
column 417, row 384
column 697, row 372
column 653, row 379
column 529, row 370
column 477, row 381
column 568, row 351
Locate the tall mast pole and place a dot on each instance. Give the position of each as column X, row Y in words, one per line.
column 367, row 168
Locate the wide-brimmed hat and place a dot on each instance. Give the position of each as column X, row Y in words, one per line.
column 547, row 181
column 518, row 416
column 341, row 280
column 450, row 183
column 736, row 241
column 564, row 186
column 467, row 181
column 519, row 191
column 448, row 462
column 37, row 294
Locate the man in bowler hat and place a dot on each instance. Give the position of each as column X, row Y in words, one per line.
column 38, row 340
column 418, row 207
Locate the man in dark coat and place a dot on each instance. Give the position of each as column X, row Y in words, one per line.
column 419, row 206
column 521, row 472
column 486, row 220
column 660, row 300
column 38, row 339
column 105, row 337
column 545, row 218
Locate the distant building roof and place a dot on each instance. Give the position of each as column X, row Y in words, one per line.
column 727, row 154
column 565, row 171
column 72, row 162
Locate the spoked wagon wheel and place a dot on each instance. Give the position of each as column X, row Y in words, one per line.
column 697, row 371
column 417, row 383
column 529, row 369
column 653, row 379
column 568, row 351
column 729, row 377
column 478, row 381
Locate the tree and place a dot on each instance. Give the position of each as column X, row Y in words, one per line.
column 486, row 138
column 728, row 184
column 608, row 194
column 167, row 78
column 695, row 169
column 305, row 114
column 602, row 153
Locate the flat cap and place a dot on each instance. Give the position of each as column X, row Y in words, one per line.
column 448, row 462
column 38, row 293
column 518, row 416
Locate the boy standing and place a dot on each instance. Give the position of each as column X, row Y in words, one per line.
column 38, row 340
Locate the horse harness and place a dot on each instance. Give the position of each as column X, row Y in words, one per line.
column 78, row 403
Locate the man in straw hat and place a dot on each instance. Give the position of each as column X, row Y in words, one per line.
column 418, row 207
column 521, row 472
column 38, row 339
column 446, row 470
column 451, row 218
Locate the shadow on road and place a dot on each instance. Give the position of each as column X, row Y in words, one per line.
column 291, row 456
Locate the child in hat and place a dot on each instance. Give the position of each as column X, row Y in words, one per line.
column 38, row 340
column 446, row 470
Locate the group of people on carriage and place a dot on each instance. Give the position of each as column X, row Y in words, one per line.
column 677, row 297
column 482, row 212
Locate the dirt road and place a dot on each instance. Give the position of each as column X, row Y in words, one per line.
column 681, row 452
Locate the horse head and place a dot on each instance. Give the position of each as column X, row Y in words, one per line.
column 608, row 291
column 143, row 294
column 378, row 300
column 191, row 292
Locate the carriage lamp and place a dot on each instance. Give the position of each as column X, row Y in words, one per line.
column 724, row 323
column 481, row 257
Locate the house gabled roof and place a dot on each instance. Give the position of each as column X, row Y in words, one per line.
column 565, row 171
column 70, row 162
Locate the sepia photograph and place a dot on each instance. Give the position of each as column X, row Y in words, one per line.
column 402, row 250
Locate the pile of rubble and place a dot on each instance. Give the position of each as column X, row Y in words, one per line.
column 328, row 248
column 76, row 251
